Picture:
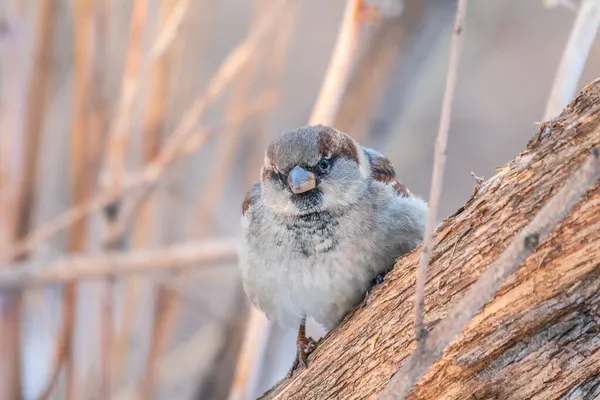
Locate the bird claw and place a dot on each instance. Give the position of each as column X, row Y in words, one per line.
column 302, row 352
column 378, row 280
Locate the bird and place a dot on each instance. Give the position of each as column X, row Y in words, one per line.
column 324, row 223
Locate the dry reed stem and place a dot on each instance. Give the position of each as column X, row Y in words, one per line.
column 181, row 362
column 12, row 145
column 153, row 131
column 165, row 317
column 36, row 105
column 99, row 127
column 80, row 181
column 248, row 365
column 114, row 169
column 341, row 63
column 256, row 334
column 380, row 52
column 439, row 163
column 115, row 263
column 11, row 167
column 574, row 58
column 12, row 64
column 153, row 172
column 488, row 283
column 120, row 131
column 81, row 189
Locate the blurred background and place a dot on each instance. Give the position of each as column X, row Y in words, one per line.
column 136, row 127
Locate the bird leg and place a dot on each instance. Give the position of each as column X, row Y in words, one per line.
column 304, row 345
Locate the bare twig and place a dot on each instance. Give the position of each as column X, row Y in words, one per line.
column 568, row 4
column 214, row 186
column 153, row 172
column 574, row 57
column 80, row 190
column 114, row 174
column 380, row 50
column 255, row 336
column 187, row 255
column 180, row 362
column 26, row 168
column 342, row 62
column 120, row 131
column 99, row 128
column 156, row 115
column 438, row 166
column 12, row 149
column 490, row 281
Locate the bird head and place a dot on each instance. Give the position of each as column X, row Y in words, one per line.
column 313, row 169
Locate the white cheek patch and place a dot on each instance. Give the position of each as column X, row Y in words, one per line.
column 364, row 165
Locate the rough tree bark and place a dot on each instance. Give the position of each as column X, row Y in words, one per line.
column 537, row 338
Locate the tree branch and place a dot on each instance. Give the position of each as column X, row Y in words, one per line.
column 535, row 337
column 525, row 243
column 188, row 255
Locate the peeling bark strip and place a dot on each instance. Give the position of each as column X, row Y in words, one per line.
column 537, row 338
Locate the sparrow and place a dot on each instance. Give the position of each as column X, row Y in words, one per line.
column 326, row 220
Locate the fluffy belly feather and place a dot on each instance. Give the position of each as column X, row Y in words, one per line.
column 314, row 274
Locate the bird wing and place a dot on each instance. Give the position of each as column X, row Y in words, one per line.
column 383, row 171
column 251, row 197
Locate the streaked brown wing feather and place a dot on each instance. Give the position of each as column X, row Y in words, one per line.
column 251, row 196
column 383, row 171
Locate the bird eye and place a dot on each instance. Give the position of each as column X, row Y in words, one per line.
column 324, row 164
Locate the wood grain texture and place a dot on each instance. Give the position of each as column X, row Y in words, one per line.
column 539, row 336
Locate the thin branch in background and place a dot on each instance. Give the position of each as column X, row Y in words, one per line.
column 114, row 169
column 80, row 190
column 574, row 58
column 121, row 130
column 26, row 168
column 80, row 183
column 12, row 64
column 153, row 132
column 342, row 62
column 494, row 276
column 115, row 263
column 256, row 334
column 165, row 317
column 568, row 4
column 99, row 126
column 181, row 362
column 236, row 60
column 439, row 163
column 380, row 51
column 216, row 383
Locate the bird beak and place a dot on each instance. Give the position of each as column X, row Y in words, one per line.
column 301, row 180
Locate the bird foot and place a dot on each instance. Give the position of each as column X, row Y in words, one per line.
column 378, row 280
column 303, row 349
